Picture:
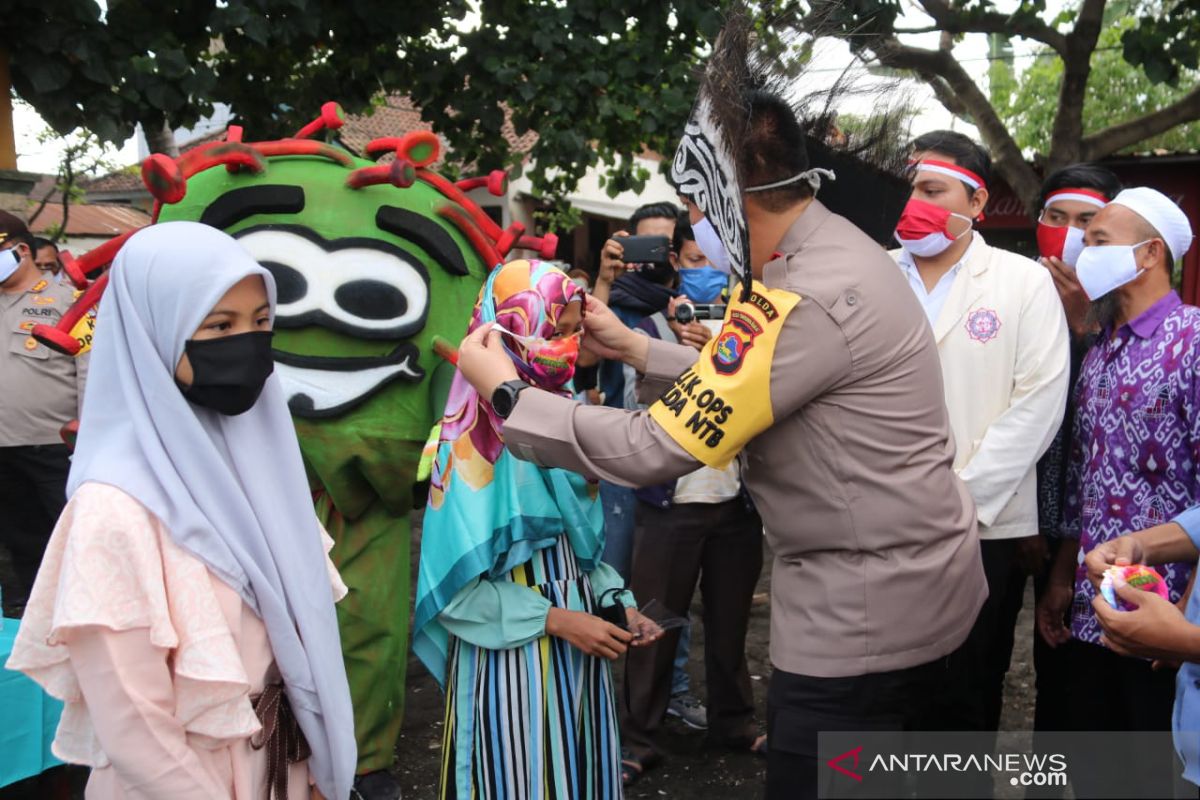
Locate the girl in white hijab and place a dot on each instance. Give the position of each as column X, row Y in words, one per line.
column 187, row 581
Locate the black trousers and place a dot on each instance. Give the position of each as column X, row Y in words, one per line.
column 1108, row 692
column 33, row 491
column 801, row 706
column 974, row 693
column 720, row 545
column 1052, row 667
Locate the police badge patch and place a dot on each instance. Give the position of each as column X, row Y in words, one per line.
column 734, row 341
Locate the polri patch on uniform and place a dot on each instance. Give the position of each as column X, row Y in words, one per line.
column 734, row 341
column 983, row 325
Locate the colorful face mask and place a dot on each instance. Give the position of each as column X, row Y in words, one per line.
column 525, row 302
column 923, row 229
column 1064, row 242
column 551, row 362
column 1102, row 269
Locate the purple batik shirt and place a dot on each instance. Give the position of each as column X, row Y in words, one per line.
column 1133, row 459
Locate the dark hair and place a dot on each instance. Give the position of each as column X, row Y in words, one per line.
column 683, row 232
column 39, row 243
column 652, row 211
column 966, row 152
column 773, row 150
column 1079, row 176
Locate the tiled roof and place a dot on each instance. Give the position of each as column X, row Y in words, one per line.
column 127, row 179
column 91, row 219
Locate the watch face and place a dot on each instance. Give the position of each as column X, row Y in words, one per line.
column 502, row 400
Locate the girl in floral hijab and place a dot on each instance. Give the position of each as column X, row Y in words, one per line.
column 510, row 575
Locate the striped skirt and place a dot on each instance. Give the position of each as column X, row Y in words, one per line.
column 536, row 722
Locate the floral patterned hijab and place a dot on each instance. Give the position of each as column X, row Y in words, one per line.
column 489, row 512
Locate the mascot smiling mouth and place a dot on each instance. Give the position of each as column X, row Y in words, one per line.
column 325, row 387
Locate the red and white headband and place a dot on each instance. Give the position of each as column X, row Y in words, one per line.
column 1089, row 196
column 953, row 170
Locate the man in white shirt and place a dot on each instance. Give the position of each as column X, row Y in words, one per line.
column 1002, row 339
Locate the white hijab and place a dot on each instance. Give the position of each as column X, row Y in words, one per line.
column 230, row 490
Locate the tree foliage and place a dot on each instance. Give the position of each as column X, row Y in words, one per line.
column 594, row 78
column 1117, row 91
column 1159, row 44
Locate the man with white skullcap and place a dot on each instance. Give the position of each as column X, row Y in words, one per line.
column 1133, row 463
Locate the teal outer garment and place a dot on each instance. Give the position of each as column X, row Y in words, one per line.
column 489, row 531
column 30, row 719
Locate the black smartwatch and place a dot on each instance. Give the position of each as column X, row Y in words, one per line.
column 504, row 399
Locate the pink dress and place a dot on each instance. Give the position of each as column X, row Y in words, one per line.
column 154, row 658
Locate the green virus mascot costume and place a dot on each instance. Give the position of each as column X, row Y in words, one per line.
column 373, row 260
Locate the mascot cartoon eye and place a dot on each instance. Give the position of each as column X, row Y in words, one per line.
column 360, row 286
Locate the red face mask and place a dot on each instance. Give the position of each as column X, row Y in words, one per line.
column 923, row 229
column 1060, row 241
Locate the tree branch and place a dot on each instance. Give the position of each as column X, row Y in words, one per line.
column 948, row 18
column 1118, row 137
column 954, row 89
column 37, row 212
column 1067, row 131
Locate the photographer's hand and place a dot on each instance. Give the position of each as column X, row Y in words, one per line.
column 611, row 266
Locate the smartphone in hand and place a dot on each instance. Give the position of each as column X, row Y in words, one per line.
column 645, row 249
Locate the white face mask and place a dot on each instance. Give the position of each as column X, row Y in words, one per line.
column 929, row 246
column 10, row 262
column 709, row 242
column 1102, row 268
column 1073, row 246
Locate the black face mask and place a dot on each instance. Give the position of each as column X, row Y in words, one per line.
column 228, row 373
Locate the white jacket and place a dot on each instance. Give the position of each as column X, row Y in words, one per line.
column 1002, row 337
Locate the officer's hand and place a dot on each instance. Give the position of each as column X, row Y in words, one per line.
column 608, row 337
column 483, row 361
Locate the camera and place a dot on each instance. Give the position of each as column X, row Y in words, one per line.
column 689, row 312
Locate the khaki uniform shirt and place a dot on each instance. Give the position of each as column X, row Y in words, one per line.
column 40, row 390
column 877, row 564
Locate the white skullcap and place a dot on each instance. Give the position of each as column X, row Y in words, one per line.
column 1162, row 214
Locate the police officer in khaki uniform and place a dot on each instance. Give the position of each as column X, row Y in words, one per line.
column 825, row 381
column 40, row 391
